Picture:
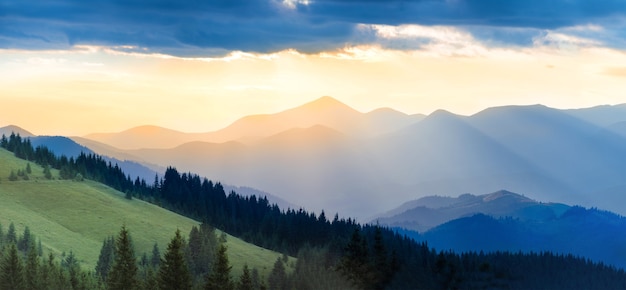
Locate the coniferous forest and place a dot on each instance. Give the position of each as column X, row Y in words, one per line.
column 333, row 253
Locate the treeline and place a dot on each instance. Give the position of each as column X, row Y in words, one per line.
column 23, row 265
column 369, row 257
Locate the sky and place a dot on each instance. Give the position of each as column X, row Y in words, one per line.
column 73, row 67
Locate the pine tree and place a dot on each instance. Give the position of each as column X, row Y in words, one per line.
column 12, row 176
column 173, row 273
column 24, row 243
column 123, row 274
column 155, row 259
column 278, row 277
column 71, row 266
column 28, row 169
column 245, row 280
column 46, row 172
column 11, row 236
column 106, row 258
column 11, row 270
column 32, row 269
column 219, row 278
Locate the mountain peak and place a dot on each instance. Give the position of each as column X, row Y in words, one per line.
column 325, row 103
column 7, row 130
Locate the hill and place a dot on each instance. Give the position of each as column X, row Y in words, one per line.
column 590, row 233
column 431, row 211
column 78, row 216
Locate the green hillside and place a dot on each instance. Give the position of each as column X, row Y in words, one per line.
column 70, row 215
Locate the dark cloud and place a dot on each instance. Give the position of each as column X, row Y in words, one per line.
column 267, row 25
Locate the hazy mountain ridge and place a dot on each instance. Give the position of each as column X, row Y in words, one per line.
column 429, row 212
column 544, row 153
column 595, row 234
column 324, row 111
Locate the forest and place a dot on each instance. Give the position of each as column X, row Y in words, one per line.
column 337, row 251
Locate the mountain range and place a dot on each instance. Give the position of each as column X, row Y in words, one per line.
column 326, row 155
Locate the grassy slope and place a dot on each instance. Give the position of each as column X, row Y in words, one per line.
column 77, row 216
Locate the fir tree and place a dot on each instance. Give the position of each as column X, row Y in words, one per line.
column 278, row 277
column 46, row 172
column 106, row 258
column 219, row 278
column 28, row 169
column 32, row 276
column 11, row 236
column 25, row 240
column 155, row 259
column 12, row 176
column 11, row 270
column 173, row 273
column 123, row 274
column 245, row 280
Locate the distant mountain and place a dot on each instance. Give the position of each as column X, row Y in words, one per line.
column 337, row 165
column 591, row 233
column 601, row 116
column 428, row 212
column 7, row 130
column 145, row 137
column 325, row 111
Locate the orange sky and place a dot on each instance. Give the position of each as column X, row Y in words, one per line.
column 100, row 89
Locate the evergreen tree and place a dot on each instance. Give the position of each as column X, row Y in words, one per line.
column 245, row 280
column 12, row 176
column 155, row 259
column 219, row 278
column 11, row 236
column 106, row 258
column 32, row 276
column 173, row 273
column 46, row 172
column 123, row 273
column 277, row 279
column 11, row 270
column 25, row 241
column 72, row 267
column 354, row 265
column 28, row 169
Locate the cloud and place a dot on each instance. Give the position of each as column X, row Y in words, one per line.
column 194, row 27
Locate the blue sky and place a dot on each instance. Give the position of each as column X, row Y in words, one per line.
column 201, row 28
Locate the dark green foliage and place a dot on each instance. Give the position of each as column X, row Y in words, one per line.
column 355, row 265
column 219, row 278
column 106, row 258
column 123, row 274
column 11, row 237
column 12, row 176
column 12, row 270
column 245, row 280
column 25, row 241
column 31, row 273
column 155, row 259
column 314, row 271
column 201, row 250
column 277, row 279
column 46, row 172
column 28, row 169
column 72, row 267
column 173, row 273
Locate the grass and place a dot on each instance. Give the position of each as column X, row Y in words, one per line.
column 78, row 216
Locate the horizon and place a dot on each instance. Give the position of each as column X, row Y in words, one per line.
column 183, row 130
column 197, row 67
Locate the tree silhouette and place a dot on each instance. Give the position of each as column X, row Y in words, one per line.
column 123, row 274
column 174, row 274
column 219, row 278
